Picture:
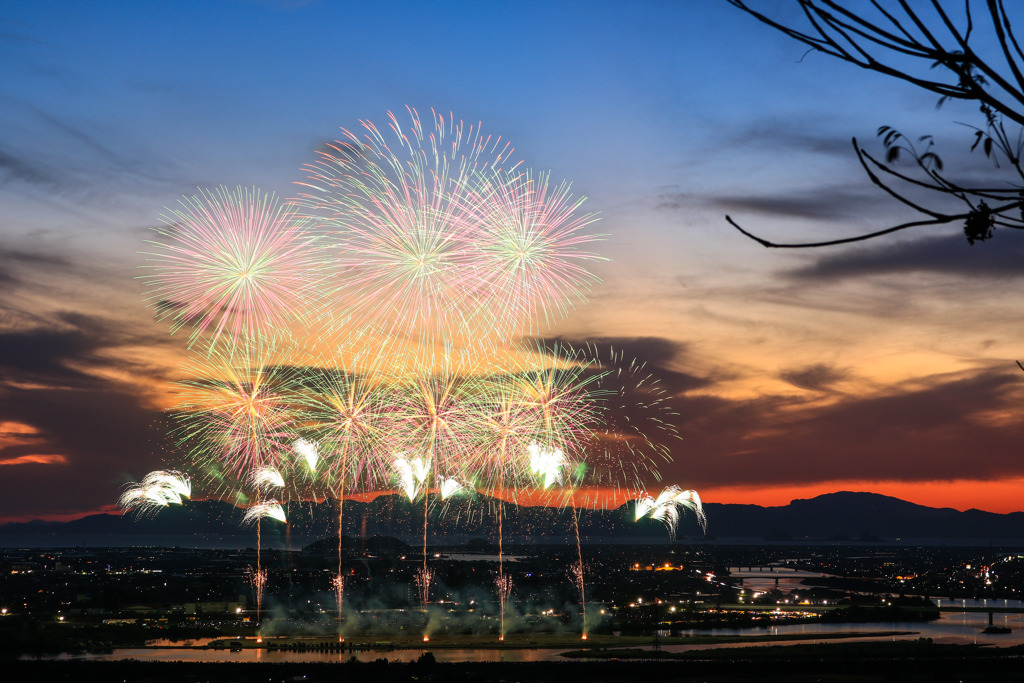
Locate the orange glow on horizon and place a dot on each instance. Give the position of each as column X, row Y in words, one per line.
column 1003, row 496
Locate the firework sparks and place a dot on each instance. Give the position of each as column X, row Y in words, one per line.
column 401, row 216
column 172, row 481
column 232, row 264
column 236, row 410
column 666, row 507
column 411, row 474
column 308, row 451
column 258, row 580
column 269, row 509
column 157, row 490
column 449, row 487
column 504, row 585
column 576, row 574
column 530, row 246
column 338, row 584
column 266, row 478
column 546, row 463
column 423, row 579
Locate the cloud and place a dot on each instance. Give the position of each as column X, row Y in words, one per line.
column 918, row 431
column 824, row 202
column 45, row 354
column 817, row 377
column 35, row 460
column 949, row 254
column 57, row 411
column 790, row 135
column 15, row 168
column 15, row 262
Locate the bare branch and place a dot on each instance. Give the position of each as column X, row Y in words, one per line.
column 844, row 240
column 901, row 29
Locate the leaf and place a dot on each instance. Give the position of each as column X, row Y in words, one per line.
column 892, row 154
column 977, row 139
column 933, row 158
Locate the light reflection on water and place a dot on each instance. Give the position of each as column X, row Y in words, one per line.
column 951, row 628
column 262, row 655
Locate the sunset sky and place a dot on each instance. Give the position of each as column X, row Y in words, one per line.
column 884, row 367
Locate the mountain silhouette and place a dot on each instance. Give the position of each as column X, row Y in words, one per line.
column 831, row 517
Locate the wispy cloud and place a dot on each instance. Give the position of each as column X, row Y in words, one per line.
column 947, row 253
column 816, row 377
column 35, row 460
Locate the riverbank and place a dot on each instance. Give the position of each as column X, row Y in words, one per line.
column 913, row 661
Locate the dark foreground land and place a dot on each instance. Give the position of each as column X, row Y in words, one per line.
column 912, row 661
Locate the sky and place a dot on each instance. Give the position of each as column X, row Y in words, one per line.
column 886, row 366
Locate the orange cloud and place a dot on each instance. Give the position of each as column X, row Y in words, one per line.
column 17, row 434
column 35, row 460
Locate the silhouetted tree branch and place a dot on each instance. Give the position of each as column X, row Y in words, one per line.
column 921, row 38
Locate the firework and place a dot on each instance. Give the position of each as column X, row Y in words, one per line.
column 232, row 264
column 666, row 507
column 576, row 574
column 258, row 579
column 423, row 579
column 350, row 418
column 171, row 481
column 270, row 509
column 638, row 418
column 567, row 405
column 546, row 463
column 308, row 451
column 399, row 214
column 504, row 585
column 266, row 478
column 236, row 411
column 350, row 413
column 411, row 475
column 338, row 584
column 157, row 490
column 449, row 486
column 145, row 500
column 530, row 244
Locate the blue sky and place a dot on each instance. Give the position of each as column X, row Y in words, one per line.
column 667, row 115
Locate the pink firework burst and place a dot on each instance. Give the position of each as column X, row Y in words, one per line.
column 532, row 241
column 398, row 207
column 232, row 263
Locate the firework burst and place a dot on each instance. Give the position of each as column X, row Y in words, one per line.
column 157, row 490
column 397, row 206
column 232, row 264
column 309, row 452
column 267, row 509
column 266, row 478
column 531, row 239
column 666, row 507
column 236, row 410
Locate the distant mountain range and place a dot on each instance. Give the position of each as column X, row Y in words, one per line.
column 843, row 516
